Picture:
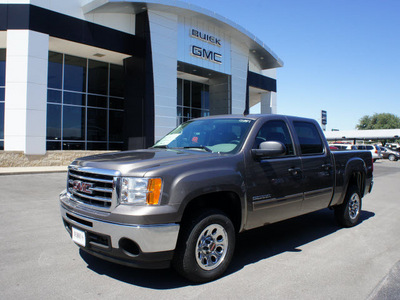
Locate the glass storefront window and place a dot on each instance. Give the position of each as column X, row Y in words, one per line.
column 74, row 98
column 53, row 122
column 117, row 103
column 187, row 93
column 73, row 146
column 196, row 94
column 2, row 94
column 54, row 75
column 73, row 123
column 96, row 146
column 116, row 121
column 117, row 81
column 53, row 145
column 179, row 96
column 98, row 77
column 75, row 73
column 1, row 121
column 54, row 96
column 97, row 124
column 2, row 67
column 85, row 104
column 97, row 101
column 192, row 100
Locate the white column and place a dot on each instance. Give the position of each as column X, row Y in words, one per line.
column 239, row 65
column 273, row 103
column 26, row 92
column 266, row 103
column 164, row 46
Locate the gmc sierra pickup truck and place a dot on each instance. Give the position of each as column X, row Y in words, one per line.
column 183, row 201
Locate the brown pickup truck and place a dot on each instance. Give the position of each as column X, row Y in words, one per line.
column 183, row 201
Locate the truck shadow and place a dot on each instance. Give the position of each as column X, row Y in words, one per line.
column 287, row 236
column 251, row 246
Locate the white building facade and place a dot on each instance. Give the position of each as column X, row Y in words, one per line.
column 117, row 75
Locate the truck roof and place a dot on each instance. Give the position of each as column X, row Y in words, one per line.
column 258, row 116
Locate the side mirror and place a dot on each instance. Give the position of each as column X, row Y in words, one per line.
column 269, row 149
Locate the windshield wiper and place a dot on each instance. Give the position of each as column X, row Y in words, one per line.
column 198, row 147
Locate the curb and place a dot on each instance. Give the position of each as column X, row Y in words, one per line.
column 31, row 170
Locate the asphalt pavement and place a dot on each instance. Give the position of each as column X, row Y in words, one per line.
column 308, row 257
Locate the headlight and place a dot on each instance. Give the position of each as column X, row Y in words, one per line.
column 140, row 191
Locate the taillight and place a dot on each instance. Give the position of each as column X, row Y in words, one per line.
column 376, row 151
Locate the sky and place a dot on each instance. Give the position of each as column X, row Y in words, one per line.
column 342, row 56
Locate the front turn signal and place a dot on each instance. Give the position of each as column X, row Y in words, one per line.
column 154, row 188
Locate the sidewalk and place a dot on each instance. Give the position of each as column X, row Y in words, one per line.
column 32, row 170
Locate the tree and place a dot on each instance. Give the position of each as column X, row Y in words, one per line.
column 379, row 121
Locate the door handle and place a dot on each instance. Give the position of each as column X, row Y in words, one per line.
column 294, row 171
column 326, row 167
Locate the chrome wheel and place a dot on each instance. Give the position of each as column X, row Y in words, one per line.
column 354, row 206
column 211, row 247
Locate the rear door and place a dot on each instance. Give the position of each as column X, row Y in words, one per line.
column 318, row 172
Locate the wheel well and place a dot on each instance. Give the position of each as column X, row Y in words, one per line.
column 227, row 202
column 357, row 179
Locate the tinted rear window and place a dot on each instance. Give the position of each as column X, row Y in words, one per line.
column 309, row 138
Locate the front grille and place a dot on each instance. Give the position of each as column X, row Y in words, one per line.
column 91, row 189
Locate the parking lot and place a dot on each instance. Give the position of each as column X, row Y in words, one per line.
column 308, row 257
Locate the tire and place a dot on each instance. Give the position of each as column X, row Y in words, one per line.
column 392, row 157
column 205, row 247
column 348, row 213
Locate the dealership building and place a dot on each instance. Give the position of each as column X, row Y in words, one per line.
column 117, row 75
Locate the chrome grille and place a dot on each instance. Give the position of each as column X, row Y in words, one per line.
column 91, row 188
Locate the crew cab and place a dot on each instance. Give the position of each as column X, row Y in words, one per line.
column 183, row 201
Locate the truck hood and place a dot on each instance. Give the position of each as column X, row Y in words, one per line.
column 138, row 162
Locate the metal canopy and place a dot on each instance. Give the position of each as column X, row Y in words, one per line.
column 377, row 134
column 263, row 54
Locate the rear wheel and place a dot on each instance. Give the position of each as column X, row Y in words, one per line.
column 205, row 247
column 348, row 213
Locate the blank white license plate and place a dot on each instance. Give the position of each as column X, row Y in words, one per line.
column 79, row 237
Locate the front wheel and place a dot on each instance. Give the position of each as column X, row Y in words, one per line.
column 348, row 213
column 205, row 247
column 392, row 157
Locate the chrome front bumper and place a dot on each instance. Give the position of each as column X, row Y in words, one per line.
column 149, row 238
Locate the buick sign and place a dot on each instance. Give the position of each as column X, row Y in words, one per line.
column 202, row 52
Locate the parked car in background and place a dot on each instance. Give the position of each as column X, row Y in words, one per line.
column 341, row 146
column 374, row 149
column 390, row 154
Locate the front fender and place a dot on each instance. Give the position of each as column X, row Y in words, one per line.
column 193, row 184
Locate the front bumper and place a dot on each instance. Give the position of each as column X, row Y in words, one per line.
column 142, row 246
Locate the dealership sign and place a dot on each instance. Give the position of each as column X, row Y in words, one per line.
column 205, row 53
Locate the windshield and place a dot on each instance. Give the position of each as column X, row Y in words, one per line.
column 212, row 135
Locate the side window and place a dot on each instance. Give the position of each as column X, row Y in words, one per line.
column 275, row 131
column 309, row 138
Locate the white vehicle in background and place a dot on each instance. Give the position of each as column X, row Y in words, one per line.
column 375, row 150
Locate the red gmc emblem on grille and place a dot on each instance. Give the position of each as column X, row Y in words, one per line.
column 80, row 186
